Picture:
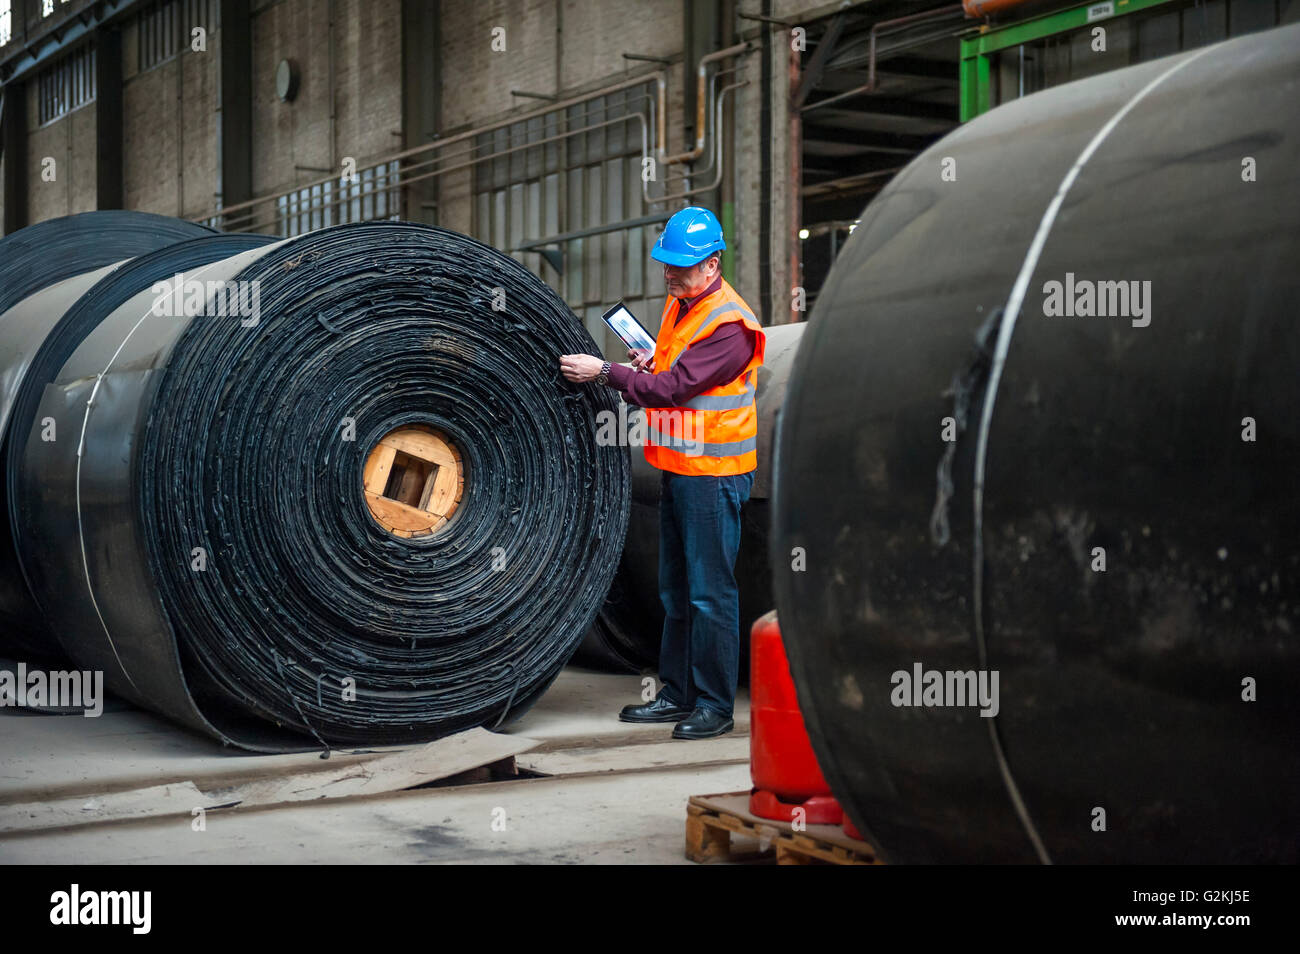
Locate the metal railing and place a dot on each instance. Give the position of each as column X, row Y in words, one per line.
column 418, row 164
column 378, row 189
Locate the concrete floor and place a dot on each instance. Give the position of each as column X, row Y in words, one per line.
column 612, row 792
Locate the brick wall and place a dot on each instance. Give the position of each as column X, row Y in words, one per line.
column 149, row 139
column 598, row 32
column 169, row 127
column 70, row 142
column 197, row 170
column 288, row 137
column 553, row 47
column 477, row 80
column 368, row 79
column 297, row 133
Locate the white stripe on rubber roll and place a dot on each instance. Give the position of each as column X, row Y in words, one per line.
column 995, row 377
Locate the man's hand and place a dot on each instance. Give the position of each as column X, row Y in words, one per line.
column 580, row 368
column 642, row 360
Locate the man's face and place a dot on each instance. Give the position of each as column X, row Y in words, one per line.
column 687, row 281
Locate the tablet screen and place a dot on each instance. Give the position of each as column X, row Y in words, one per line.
column 625, row 325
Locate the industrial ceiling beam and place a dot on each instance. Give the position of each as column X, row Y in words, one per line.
column 867, row 140
column 812, row 73
column 888, row 106
column 827, row 167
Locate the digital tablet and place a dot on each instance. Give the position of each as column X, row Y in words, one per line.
column 624, row 324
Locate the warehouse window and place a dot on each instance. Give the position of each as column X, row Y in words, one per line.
column 6, row 22
column 371, row 196
column 159, row 34
column 164, row 28
column 66, row 85
column 586, row 180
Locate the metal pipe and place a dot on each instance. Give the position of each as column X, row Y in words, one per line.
column 980, row 8
column 717, row 178
column 471, row 147
column 458, row 137
column 250, row 222
column 661, row 134
column 534, row 245
column 407, row 179
column 256, row 223
column 701, row 99
column 717, row 119
column 470, row 150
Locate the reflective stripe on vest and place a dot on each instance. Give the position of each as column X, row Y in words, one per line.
column 724, row 402
column 713, row 316
column 701, row 449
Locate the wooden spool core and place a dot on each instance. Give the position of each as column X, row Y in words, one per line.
column 413, row 481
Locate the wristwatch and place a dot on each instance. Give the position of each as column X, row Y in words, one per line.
column 603, row 377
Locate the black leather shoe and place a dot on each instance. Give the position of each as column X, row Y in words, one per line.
column 661, row 710
column 703, row 724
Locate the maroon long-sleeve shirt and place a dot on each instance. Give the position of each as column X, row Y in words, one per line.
column 715, row 360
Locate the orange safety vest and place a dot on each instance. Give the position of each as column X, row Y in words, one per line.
column 716, row 432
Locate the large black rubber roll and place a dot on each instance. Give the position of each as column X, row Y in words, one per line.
column 36, row 337
column 1124, row 718
column 44, row 269
column 626, row 634
column 47, row 252
column 206, row 537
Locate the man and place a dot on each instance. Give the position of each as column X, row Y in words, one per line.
column 702, row 430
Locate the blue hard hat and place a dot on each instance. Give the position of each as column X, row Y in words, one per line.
column 689, row 237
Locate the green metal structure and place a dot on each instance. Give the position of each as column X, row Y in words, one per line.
column 977, row 51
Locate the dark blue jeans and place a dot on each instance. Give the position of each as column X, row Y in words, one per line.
column 699, row 535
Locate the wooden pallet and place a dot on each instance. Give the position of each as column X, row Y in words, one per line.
column 720, row 828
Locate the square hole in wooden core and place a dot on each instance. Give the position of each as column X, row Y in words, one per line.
column 411, row 480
